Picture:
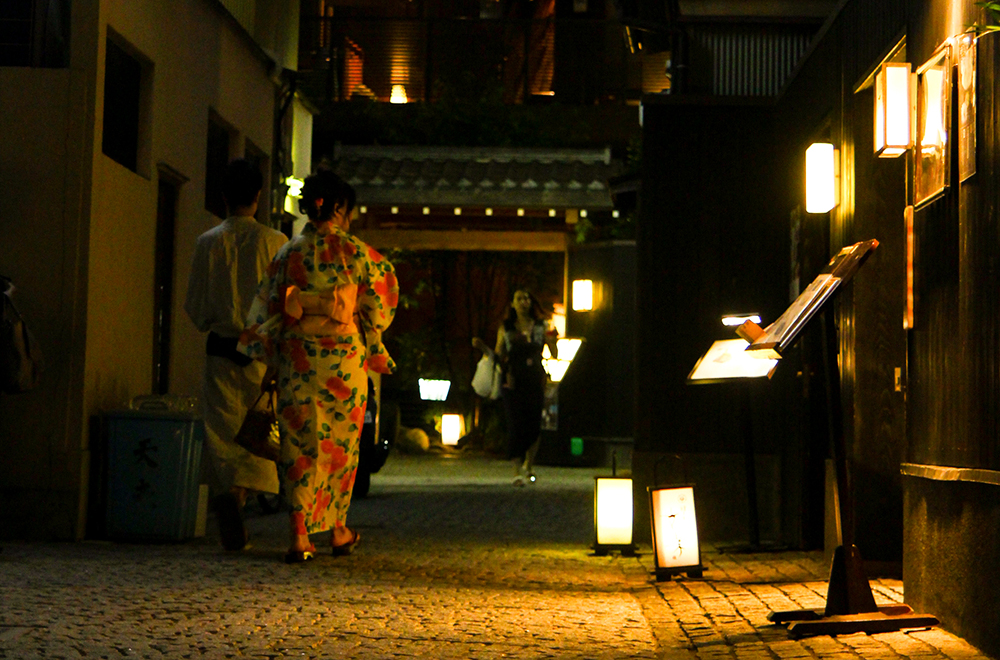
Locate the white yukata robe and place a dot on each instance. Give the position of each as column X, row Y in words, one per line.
column 230, row 260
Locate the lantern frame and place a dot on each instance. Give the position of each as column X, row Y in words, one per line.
column 602, row 549
column 662, row 573
column 894, row 107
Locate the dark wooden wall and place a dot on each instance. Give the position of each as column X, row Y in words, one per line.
column 720, row 182
column 596, row 398
column 951, row 556
column 945, row 531
column 954, row 345
column 824, row 103
column 713, row 240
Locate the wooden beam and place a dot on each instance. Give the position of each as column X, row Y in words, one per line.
column 466, row 241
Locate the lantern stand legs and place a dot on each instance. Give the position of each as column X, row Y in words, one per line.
column 667, row 574
column 850, row 605
column 685, row 540
column 750, row 473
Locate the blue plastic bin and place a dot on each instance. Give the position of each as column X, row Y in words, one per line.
column 154, row 469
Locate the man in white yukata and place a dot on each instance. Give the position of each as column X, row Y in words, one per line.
column 229, row 261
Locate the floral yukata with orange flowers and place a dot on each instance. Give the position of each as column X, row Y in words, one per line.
column 318, row 318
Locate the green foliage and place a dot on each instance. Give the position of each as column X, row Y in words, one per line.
column 417, row 356
column 992, row 9
column 620, row 228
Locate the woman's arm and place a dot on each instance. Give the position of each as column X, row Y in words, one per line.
column 481, row 345
column 501, row 348
column 551, row 339
column 376, row 308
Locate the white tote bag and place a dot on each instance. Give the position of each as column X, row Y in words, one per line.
column 486, row 380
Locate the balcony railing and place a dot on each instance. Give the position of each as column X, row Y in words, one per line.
column 573, row 61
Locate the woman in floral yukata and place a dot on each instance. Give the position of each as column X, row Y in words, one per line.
column 317, row 322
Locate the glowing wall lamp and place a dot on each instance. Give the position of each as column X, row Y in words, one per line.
column 675, row 531
column 822, row 177
column 433, row 390
column 583, row 295
column 935, row 133
column 895, row 100
column 452, row 427
column 398, row 94
column 612, row 515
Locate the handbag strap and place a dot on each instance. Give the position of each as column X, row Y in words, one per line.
column 257, row 400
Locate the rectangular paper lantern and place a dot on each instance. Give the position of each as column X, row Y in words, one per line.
column 612, row 514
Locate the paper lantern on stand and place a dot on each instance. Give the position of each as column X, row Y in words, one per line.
column 676, row 548
column 613, row 514
column 452, row 429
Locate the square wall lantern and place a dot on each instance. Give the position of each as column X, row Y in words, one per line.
column 433, row 389
column 583, row 295
column 895, row 104
column 822, row 177
column 676, row 548
column 612, row 515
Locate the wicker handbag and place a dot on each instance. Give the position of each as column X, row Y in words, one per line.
column 259, row 432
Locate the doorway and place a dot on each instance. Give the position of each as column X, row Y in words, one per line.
column 168, row 192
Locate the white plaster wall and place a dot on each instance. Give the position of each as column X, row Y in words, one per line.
column 302, row 138
column 77, row 232
column 200, row 62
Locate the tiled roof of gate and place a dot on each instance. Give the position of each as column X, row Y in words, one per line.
column 479, row 176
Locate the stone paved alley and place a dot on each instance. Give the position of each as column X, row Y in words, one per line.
column 454, row 563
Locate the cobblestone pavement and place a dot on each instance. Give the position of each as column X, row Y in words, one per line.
column 454, row 562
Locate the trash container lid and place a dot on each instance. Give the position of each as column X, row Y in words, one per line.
column 165, row 406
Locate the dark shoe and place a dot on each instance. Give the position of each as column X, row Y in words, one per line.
column 346, row 548
column 299, row 556
column 231, row 529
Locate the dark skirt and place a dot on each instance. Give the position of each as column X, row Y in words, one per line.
column 523, row 406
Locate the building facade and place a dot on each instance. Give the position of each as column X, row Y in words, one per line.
column 914, row 335
column 115, row 118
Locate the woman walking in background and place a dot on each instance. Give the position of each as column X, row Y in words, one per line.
column 318, row 321
column 520, row 340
